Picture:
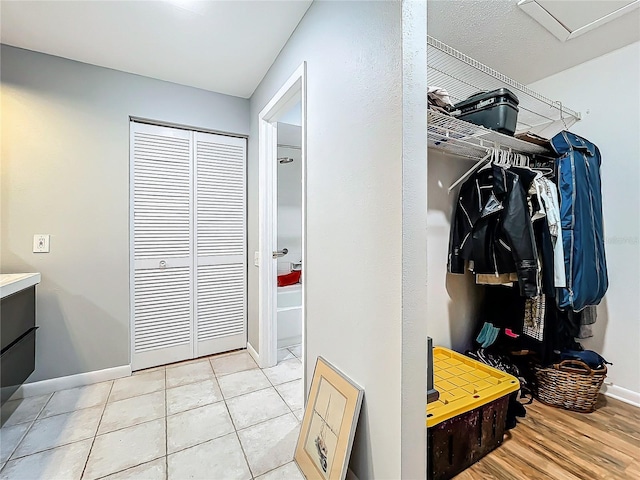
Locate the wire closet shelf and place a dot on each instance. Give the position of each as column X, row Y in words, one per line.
column 464, row 139
column 463, row 76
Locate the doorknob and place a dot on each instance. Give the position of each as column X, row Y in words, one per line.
column 280, row 253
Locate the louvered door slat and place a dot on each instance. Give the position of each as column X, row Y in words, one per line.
column 152, row 304
column 220, row 317
column 220, row 194
column 162, row 192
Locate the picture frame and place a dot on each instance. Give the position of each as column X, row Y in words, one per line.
column 329, row 424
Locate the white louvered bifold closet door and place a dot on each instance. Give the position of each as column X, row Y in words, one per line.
column 188, row 229
column 220, row 243
column 162, row 283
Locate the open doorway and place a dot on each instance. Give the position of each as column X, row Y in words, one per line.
column 282, row 167
column 289, row 235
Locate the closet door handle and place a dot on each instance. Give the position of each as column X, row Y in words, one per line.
column 280, row 253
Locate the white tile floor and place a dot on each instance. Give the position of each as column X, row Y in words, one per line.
column 219, row 417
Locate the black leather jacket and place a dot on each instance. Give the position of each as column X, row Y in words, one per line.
column 492, row 227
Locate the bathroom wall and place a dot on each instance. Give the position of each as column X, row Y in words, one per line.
column 65, row 172
column 290, row 196
column 293, row 116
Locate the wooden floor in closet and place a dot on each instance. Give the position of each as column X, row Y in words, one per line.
column 555, row 444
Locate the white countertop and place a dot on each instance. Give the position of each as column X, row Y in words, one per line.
column 11, row 283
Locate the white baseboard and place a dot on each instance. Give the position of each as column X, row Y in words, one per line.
column 44, row 387
column 253, row 353
column 622, row 394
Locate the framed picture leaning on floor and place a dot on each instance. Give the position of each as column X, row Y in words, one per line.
column 329, row 424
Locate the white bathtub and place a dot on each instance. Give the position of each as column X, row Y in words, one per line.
column 289, row 315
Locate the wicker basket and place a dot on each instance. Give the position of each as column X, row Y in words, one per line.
column 571, row 384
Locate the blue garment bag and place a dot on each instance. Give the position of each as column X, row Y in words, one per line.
column 581, row 217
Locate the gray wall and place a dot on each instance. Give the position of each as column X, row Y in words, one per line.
column 354, row 231
column 65, row 171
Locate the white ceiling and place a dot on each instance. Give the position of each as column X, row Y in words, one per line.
column 501, row 35
column 222, row 46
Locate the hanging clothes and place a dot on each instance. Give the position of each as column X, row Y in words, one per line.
column 534, row 312
column 505, row 279
column 581, row 218
column 589, row 317
column 544, row 242
column 492, row 228
column 548, row 193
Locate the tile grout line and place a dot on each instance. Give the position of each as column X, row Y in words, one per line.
column 244, row 454
column 133, row 466
column 233, row 424
column 239, row 371
column 251, row 426
column 280, row 395
column 112, row 403
column 123, row 428
column 57, row 446
column 128, row 468
column 137, row 394
column 264, row 421
column 197, row 444
column 119, row 429
column 50, row 448
column 235, row 430
column 288, row 406
column 25, row 433
column 285, row 402
column 124, row 399
column 86, row 408
column 276, row 468
column 182, row 411
column 243, row 394
column 95, row 435
column 258, row 423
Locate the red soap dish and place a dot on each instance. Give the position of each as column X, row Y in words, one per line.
column 289, row 278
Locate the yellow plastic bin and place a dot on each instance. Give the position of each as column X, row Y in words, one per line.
column 469, row 418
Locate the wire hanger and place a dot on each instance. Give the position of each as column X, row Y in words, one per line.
column 488, row 158
column 503, row 159
column 545, row 171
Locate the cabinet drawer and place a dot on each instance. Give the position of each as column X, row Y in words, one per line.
column 19, row 360
column 18, row 316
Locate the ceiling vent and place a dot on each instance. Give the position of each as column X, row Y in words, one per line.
column 567, row 19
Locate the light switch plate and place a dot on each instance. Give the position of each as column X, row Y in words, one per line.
column 41, row 243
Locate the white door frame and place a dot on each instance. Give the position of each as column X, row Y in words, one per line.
column 293, row 90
